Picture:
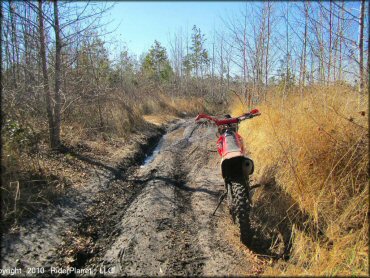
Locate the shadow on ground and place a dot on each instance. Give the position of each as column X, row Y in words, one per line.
column 273, row 216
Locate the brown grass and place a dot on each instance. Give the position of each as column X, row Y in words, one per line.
column 318, row 144
column 164, row 105
column 119, row 114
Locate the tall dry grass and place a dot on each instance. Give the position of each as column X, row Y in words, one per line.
column 318, row 145
column 119, row 114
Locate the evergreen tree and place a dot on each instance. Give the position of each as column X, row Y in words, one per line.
column 156, row 63
column 198, row 59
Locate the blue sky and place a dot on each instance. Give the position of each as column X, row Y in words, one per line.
column 140, row 23
column 137, row 24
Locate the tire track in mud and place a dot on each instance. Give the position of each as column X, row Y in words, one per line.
column 187, row 257
column 163, row 242
column 168, row 230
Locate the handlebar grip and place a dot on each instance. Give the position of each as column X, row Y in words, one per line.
column 255, row 112
column 205, row 116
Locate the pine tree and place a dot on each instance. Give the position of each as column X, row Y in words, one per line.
column 156, row 63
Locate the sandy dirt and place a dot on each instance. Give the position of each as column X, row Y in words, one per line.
column 154, row 219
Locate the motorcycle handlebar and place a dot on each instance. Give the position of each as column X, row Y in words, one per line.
column 249, row 115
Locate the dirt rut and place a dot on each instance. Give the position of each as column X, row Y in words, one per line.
column 168, row 229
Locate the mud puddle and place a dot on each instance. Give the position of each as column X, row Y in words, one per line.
column 150, row 156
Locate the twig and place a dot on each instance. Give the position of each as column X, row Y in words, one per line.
column 240, row 99
column 17, row 194
column 344, row 117
column 327, row 133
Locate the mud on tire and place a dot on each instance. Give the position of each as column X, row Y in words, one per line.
column 241, row 209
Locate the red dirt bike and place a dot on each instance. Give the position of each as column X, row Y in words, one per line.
column 236, row 168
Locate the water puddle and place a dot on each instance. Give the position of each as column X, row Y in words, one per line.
column 150, row 157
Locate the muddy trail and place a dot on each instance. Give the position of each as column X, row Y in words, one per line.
column 149, row 219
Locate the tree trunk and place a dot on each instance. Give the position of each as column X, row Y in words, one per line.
column 15, row 59
column 1, row 58
column 330, row 41
column 287, row 54
column 322, row 49
column 304, row 56
column 312, row 68
column 28, row 73
column 49, row 110
column 268, row 45
column 245, row 56
column 336, row 49
column 361, row 46
column 222, row 68
column 58, row 50
column 213, row 70
column 341, row 43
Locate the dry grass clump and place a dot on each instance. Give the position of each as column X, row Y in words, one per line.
column 318, row 144
column 189, row 106
column 119, row 114
column 176, row 106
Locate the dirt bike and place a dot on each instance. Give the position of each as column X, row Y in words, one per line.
column 235, row 168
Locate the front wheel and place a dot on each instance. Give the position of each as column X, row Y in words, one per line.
column 240, row 208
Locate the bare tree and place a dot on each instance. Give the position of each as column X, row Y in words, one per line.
column 361, row 46
column 15, row 49
column 46, row 87
column 177, row 56
column 268, row 42
column 336, row 42
column 320, row 36
column 1, row 54
column 57, row 89
column 330, row 40
column 304, row 55
column 341, row 42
